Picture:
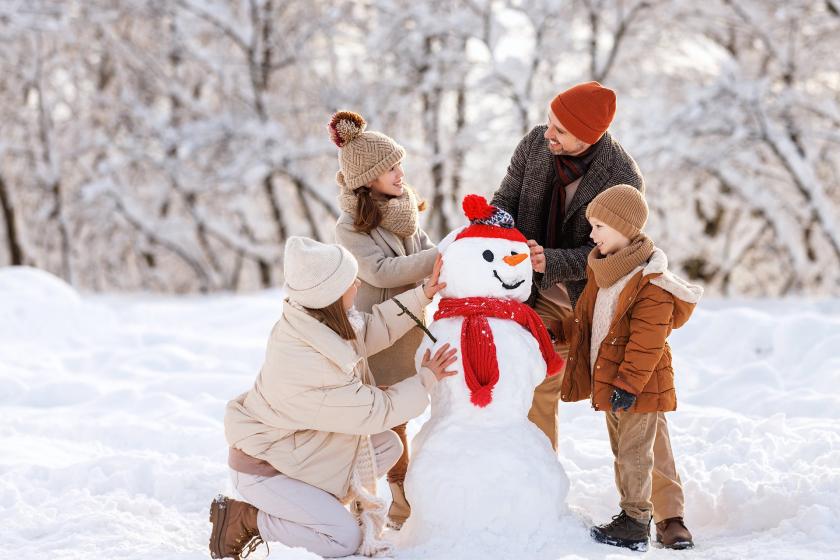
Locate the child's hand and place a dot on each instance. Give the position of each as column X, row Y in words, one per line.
column 443, row 358
column 537, row 256
column 432, row 286
column 621, row 400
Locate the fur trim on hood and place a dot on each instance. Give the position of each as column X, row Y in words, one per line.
column 670, row 282
column 686, row 294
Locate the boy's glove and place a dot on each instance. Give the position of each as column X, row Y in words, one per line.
column 621, row 400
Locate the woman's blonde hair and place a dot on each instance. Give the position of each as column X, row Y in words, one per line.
column 335, row 317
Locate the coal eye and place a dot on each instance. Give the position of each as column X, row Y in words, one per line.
column 488, row 255
column 513, row 253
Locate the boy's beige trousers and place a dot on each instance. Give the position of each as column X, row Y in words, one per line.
column 666, row 488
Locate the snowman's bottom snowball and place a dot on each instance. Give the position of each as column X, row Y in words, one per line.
column 500, row 485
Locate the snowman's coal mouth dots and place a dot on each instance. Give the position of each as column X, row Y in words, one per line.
column 507, row 286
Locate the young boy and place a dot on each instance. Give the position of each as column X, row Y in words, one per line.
column 619, row 357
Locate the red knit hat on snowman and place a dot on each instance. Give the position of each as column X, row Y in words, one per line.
column 488, row 221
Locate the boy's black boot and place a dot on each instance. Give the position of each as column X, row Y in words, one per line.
column 623, row 531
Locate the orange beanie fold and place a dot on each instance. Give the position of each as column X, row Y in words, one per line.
column 586, row 110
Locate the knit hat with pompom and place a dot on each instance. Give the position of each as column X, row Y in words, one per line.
column 362, row 155
column 488, row 221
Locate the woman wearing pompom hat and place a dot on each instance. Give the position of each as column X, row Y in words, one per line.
column 379, row 225
column 314, row 432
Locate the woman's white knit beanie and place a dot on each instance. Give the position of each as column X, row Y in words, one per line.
column 317, row 274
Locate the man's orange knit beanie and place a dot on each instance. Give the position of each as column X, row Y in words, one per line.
column 586, row 110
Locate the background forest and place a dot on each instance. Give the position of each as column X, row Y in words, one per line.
column 173, row 145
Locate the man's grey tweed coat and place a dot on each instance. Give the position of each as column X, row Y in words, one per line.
column 526, row 193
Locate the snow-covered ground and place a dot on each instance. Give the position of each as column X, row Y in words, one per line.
column 112, row 445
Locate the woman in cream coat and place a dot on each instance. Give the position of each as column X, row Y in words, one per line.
column 313, row 433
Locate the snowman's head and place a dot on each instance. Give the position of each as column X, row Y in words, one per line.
column 488, row 258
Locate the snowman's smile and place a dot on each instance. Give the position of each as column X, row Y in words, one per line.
column 507, row 286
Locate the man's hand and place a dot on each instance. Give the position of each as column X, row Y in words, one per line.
column 537, row 256
column 621, row 400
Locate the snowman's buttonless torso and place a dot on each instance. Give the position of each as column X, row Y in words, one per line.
column 485, row 474
column 521, row 369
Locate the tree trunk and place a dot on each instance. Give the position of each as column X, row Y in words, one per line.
column 280, row 224
column 49, row 163
column 63, row 232
column 15, row 248
column 458, row 155
column 431, row 126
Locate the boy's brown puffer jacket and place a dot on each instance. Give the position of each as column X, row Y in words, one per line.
column 634, row 355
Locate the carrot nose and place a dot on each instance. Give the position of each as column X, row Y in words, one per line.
column 514, row 260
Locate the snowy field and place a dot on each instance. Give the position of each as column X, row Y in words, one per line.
column 112, row 445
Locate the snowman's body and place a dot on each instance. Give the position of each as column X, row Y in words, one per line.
column 485, row 477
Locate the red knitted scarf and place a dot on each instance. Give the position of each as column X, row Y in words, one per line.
column 481, row 368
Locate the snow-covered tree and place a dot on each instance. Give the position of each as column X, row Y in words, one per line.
column 175, row 145
column 750, row 143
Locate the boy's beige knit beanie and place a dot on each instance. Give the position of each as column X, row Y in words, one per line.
column 317, row 274
column 621, row 207
column 362, row 155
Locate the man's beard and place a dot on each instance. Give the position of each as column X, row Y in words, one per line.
column 563, row 152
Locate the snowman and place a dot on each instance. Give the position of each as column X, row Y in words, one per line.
column 483, row 478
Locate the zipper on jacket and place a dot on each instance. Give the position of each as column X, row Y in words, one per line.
column 612, row 331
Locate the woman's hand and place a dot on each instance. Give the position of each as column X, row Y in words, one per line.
column 443, row 358
column 432, row 286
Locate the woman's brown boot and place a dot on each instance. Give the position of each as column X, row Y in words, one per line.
column 234, row 528
column 400, row 509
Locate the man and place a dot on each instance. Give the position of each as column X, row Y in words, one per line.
column 556, row 170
